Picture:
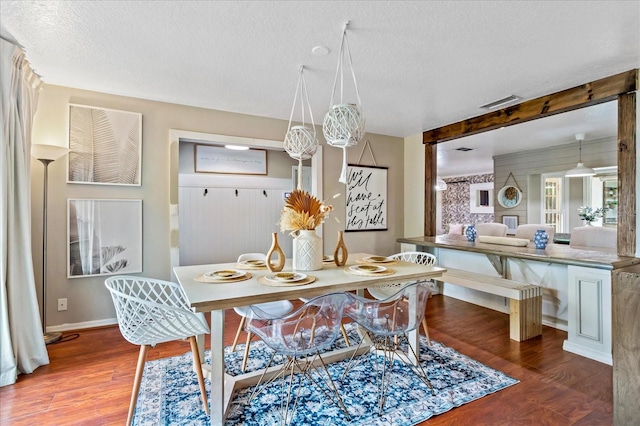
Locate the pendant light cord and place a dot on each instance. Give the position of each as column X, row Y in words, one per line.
column 339, row 70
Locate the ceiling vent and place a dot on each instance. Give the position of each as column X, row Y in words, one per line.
column 463, row 149
column 502, row 102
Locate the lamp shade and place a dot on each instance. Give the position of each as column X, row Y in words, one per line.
column 580, row 170
column 301, row 142
column 47, row 152
column 343, row 125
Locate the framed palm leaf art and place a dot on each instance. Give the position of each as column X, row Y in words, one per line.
column 104, row 237
column 105, row 146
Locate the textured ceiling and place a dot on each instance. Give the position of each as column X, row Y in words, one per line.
column 419, row 65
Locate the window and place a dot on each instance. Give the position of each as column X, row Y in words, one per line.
column 481, row 197
column 552, row 207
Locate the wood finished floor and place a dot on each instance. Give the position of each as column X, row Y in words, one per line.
column 89, row 379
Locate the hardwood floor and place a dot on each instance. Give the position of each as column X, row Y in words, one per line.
column 89, row 379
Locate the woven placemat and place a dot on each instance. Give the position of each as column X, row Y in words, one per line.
column 308, row 280
column 201, row 278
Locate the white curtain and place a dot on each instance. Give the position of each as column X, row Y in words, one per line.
column 22, row 347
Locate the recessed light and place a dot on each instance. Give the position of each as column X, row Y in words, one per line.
column 502, row 102
column 320, row 51
column 237, row 147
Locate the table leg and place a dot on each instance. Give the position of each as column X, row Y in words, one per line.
column 414, row 336
column 218, row 406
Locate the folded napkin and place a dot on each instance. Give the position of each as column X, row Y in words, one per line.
column 505, row 241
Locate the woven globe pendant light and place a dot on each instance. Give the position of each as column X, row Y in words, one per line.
column 343, row 125
column 301, row 142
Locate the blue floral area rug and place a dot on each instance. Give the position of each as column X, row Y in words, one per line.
column 169, row 394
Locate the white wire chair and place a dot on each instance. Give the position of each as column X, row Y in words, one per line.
column 300, row 337
column 384, row 291
column 386, row 323
column 276, row 309
column 149, row 312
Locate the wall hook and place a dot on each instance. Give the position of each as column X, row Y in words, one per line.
column 236, row 192
column 206, row 191
column 264, row 192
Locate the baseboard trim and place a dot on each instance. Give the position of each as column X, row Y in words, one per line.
column 82, row 325
column 587, row 352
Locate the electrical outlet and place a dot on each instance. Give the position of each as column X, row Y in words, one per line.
column 62, row 305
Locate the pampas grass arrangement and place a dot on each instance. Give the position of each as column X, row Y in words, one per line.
column 303, row 211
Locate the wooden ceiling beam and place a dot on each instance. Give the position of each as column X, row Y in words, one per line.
column 588, row 94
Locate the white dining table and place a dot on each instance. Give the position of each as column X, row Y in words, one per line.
column 217, row 297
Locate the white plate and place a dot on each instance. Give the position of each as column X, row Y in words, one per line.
column 286, row 277
column 367, row 269
column 254, row 262
column 377, row 259
column 225, row 274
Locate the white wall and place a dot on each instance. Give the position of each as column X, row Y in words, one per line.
column 595, row 153
column 414, row 186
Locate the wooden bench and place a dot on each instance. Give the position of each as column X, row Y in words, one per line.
column 525, row 308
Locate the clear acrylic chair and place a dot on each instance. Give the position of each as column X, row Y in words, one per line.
column 149, row 312
column 384, row 291
column 386, row 324
column 275, row 309
column 300, row 337
column 345, row 336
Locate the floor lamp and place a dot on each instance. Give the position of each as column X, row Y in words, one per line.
column 46, row 154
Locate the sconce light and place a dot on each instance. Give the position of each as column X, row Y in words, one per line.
column 237, row 147
column 441, row 185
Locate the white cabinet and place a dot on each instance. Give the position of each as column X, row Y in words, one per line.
column 589, row 331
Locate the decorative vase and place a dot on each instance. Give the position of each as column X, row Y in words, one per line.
column 471, row 233
column 587, row 223
column 307, row 251
column 540, row 239
column 275, row 248
column 340, row 254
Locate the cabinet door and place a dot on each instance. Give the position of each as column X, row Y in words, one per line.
column 589, row 313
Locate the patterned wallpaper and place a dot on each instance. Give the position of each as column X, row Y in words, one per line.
column 455, row 201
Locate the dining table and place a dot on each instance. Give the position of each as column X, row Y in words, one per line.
column 252, row 287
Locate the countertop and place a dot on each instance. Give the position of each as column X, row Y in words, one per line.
column 554, row 253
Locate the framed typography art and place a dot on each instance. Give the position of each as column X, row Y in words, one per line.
column 366, row 200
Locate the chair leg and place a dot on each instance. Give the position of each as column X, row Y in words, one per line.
column 344, row 334
column 235, row 341
column 142, row 356
column 246, row 353
column 426, row 331
column 197, row 365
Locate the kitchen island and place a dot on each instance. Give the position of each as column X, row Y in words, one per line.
column 576, row 283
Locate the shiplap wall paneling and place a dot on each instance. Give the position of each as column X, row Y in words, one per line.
column 221, row 225
column 595, row 153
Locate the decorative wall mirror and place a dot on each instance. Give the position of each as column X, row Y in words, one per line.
column 509, row 196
